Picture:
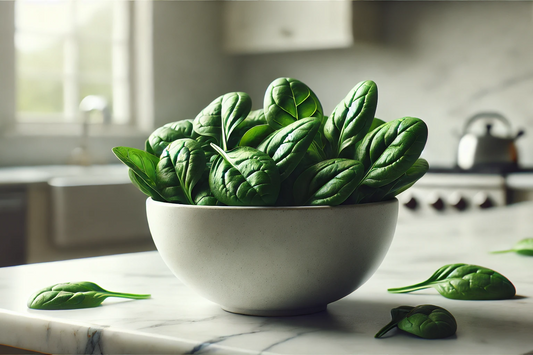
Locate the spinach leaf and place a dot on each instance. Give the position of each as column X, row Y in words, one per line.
column 254, row 118
column 329, row 182
column 74, row 295
column 465, row 282
column 209, row 122
column 163, row 136
column 205, row 144
column 255, row 135
column 142, row 163
column 366, row 194
column 189, row 163
column 144, row 187
column 312, row 156
column 168, row 183
column 222, row 116
column 376, row 122
column 288, row 100
column 391, row 149
column 429, row 322
column 244, row 176
column 411, row 176
column 397, row 314
column 288, row 145
column 351, row 119
column 523, row 247
column 425, row 321
column 202, row 194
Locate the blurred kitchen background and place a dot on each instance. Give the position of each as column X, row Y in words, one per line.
column 80, row 77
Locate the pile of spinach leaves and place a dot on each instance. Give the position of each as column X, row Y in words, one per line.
column 286, row 154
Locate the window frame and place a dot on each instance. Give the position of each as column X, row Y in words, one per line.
column 140, row 71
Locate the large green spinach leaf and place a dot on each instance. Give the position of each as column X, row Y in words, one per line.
column 163, row 136
column 391, row 149
column 288, row 100
column 142, row 163
column 329, row 182
column 244, row 176
column 144, row 187
column 221, row 117
column 202, row 194
column 366, row 194
column 351, row 119
column 312, row 156
column 288, row 145
column 254, row 118
column 255, row 135
column 189, row 163
column 168, row 183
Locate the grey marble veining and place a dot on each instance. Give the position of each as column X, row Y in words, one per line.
column 178, row 321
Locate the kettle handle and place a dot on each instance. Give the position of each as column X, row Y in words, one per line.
column 480, row 115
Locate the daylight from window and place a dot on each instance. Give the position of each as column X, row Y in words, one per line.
column 67, row 50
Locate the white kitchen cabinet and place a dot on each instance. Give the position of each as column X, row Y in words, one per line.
column 281, row 26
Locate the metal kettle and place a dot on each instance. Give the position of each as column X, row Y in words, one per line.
column 486, row 152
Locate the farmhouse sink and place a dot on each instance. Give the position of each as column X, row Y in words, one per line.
column 96, row 205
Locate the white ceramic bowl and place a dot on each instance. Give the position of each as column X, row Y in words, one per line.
column 273, row 261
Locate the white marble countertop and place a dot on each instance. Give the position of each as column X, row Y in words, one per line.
column 176, row 320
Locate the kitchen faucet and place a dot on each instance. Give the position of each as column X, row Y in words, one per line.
column 80, row 155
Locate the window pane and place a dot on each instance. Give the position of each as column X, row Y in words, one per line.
column 95, row 58
column 42, row 16
column 69, row 49
column 38, row 53
column 94, row 19
column 44, row 96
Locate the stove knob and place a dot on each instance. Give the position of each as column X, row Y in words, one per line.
column 458, row 201
column 483, row 200
column 436, row 202
column 411, row 203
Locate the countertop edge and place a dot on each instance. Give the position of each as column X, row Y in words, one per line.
column 54, row 337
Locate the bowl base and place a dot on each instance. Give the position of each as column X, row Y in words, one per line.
column 276, row 313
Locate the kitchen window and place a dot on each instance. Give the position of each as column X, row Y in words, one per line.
column 66, row 50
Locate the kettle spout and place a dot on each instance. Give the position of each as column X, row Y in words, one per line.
column 519, row 134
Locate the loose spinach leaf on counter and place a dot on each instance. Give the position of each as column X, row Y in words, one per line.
column 523, row 247
column 425, row 321
column 74, row 295
column 465, row 282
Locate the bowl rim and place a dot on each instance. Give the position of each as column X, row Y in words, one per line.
column 150, row 200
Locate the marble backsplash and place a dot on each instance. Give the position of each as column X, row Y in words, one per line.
column 440, row 61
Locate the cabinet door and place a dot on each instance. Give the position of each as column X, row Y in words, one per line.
column 275, row 26
column 12, row 226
